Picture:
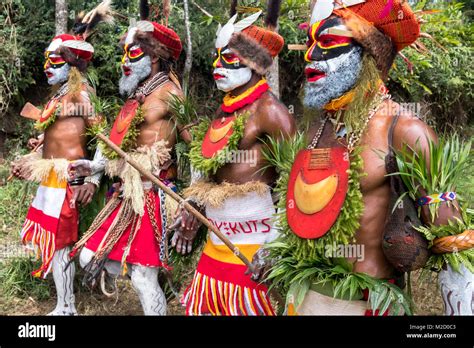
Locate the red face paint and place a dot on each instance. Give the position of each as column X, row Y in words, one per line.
column 325, row 46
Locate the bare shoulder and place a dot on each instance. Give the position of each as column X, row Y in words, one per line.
column 412, row 131
column 274, row 116
column 156, row 104
column 409, row 129
column 165, row 92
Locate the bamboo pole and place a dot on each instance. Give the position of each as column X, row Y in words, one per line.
column 178, row 199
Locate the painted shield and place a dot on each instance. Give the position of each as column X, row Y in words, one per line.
column 123, row 121
column 317, row 189
column 217, row 136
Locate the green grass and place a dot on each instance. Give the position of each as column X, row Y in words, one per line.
column 16, row 280
column 15, row 198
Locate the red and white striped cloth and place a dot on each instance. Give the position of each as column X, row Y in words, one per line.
column 50, row 224
column 219, row 286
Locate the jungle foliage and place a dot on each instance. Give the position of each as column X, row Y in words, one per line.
column 440, row 77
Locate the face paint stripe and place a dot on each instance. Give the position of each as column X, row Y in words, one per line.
column 313, row 31
column 217, row 59
column 333, row 46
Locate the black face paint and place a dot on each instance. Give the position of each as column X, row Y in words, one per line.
column 133, row 53
column 324, row 46
column 226, row 60
column 53, row 62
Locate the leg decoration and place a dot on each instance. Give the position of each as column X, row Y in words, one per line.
column 457, row 289
column 64, row 282
column 145, row 282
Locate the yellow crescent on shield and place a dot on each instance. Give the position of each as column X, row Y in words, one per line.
column 312, row 198
column 218, row 134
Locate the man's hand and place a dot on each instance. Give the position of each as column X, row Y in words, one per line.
column 33, row 143
column 261, row 265
column 186, row 226
column 83, row 194
column 79, row 168
column 19, row 171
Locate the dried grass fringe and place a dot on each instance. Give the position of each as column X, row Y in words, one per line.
column 39, row 168
column 150, row 159
column 214, row 195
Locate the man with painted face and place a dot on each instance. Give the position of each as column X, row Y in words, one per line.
column 235, row 188
column 51, row 224
column 130, row 234
column 340, row 202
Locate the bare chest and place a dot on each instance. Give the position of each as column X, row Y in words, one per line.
column 374, row 149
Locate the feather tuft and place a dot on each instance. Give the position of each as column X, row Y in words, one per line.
column 87, row 22
column 166, row 10
column 144, row 10
column 233, row 7
column 273, row 12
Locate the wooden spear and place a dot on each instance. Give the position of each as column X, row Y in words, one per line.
column 178, row 199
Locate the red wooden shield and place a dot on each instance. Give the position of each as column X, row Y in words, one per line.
column 316, row 190
column 217, row 136
column 123, row 121
column 49, row 110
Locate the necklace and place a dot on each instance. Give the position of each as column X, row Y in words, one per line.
column 354, row 136
column 233, row 103
column 62, row 91
column 148, row 87
column 318, row 134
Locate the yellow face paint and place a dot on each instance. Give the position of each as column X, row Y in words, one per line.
column 228, row 60
column 54, row 62
column 133, row 54
column 324, row 44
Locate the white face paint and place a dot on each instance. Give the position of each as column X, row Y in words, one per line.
column 135, row 69
column 229, row 79
column 334, row 63
column 340, row 75
column 229, row 72
column 59, row 74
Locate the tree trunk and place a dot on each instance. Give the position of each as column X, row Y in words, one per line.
column 61, row 16
column 189, row 46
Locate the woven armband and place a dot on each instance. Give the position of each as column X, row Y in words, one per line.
column 436, row 198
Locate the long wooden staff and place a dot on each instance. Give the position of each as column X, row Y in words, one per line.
column 177, row 198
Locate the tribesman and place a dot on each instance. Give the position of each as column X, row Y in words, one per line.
column 129, row 235
column 349, row 229
column 235, row 186
column 51, row 224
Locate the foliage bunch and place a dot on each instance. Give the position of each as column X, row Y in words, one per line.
column 437, row 171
